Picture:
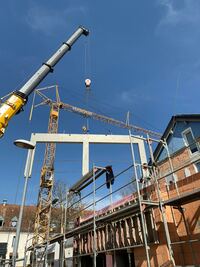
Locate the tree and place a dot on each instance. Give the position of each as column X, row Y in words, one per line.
column 67, row 208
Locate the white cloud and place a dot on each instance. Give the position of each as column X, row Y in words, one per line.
column 187, row 13
column 171, row 14
column 126, row 97
column 181, row 21
column 134, row 96
column 49, row 21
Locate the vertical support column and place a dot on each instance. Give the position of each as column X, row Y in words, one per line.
column 142, row 151
column 94, row 220
column 162, row 209
column 64, row 226
column 85, row 157
column 140, row 204
column 27, row 175
column 129, row 252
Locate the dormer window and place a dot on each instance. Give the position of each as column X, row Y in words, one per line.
column 14, row 221
column 190, row 140
column 1, row 221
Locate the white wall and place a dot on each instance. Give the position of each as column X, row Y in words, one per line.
column 7, row 237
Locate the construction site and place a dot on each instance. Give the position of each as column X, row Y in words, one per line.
column 144, row 214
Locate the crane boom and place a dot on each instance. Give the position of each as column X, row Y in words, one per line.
column 93, row 115
column 19, row 98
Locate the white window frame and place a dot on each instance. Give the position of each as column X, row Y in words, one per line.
column 187, row 172
column 189, row 129
column 195, row 167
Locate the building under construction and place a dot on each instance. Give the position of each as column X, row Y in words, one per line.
column 145, row 215
column 154, row 223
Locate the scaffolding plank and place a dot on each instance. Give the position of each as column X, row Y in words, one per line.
column 184, row 198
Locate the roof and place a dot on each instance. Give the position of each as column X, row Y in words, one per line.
column 170, row 126
column 10, row 212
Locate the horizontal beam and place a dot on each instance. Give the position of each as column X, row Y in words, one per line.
column 81, row 138
column 86, row 140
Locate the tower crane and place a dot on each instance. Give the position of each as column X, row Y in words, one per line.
column 90, row 114
column 43, row 213
column 44, row 204
column 16, row 100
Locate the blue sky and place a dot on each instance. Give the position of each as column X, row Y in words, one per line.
column 142, row 56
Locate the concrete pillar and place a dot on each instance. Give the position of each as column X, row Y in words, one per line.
column 85, row 157
column 142, row 151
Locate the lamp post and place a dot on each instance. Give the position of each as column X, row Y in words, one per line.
column 27, row 174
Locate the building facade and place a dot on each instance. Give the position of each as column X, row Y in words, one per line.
column 170, row 201
column 8, row 225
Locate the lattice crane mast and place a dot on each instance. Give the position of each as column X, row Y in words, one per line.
column 44, row 204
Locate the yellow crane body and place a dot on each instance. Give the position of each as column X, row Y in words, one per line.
column 18, row 98
column 8, row 109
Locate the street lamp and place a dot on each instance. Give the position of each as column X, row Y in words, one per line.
column 27, row 174
column 24, row 144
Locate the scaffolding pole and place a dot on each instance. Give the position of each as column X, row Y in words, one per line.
column 140, row 204
column 160, row 202
column 94, row 219
column 64, row 227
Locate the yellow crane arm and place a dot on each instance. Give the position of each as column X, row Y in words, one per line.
column 8, row 109
column 19, row 98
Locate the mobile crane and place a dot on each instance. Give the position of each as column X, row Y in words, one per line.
column 17, row 99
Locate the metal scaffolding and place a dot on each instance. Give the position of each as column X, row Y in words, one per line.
column 144, row 201
column 104, row 230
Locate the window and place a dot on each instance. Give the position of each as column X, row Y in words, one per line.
column 170, row 179
column 14, row 222
column 187, row 172
column 190, row 141
column 1, row 221
column 197, row 166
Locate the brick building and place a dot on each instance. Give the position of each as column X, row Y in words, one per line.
column 170, row 200
column 173, row 232
column 179, row 180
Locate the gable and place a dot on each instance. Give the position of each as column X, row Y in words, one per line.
column 175, row 140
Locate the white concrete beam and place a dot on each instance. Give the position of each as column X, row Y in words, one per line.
column 79, row 138
column 86, row 140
